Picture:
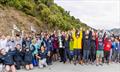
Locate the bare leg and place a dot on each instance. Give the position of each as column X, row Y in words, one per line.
column 13, row 69
column 31, row 66
column 27, row 67
column 7, row 68
column 97, row 60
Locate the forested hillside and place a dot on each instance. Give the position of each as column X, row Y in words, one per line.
column 43, row 14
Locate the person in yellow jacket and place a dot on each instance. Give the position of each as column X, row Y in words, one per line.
column 77, row 45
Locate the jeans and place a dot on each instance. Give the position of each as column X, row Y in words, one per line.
column 78, row 54
column 42, row 63
column 67, row 54
column 115, row 55
column 110, row 57
column 86, row 54
column 92, row 55
column 119, row 56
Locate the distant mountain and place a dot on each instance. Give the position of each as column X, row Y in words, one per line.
column 116, row 31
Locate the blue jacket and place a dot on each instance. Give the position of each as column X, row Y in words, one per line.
column 7, row 59
column 42, row 55
column 66, row 44
column 117, row 46
column 49, row 44
column 113, row 45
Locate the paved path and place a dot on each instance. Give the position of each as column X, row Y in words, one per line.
column 60, row 67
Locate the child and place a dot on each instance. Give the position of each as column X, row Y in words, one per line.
column 49, row 46
column 86, row 48
column 77, row 45
column 7, row 60
column 18, row 57
column 71, row 48
column 115, row 51
column 99, row 54
column 42, row 56
column 107, row 48
column 61, row 39
column 92, row 48
column 55, row 47
column 28, row 59
column 111, row 50
column 34, row 46
column 119, row 49
column 67, row 50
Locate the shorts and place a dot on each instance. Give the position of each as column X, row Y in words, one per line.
column 100, row 53
column 28, row 62
column 9, row 64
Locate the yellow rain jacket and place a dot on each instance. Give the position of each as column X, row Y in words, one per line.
column 77, row 43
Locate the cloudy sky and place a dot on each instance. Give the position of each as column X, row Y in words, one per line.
column 95, row 13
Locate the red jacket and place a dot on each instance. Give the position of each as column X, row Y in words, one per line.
column 96, row 41
column 107, row 45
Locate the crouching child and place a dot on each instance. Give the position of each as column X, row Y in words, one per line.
column 42, row 57
column 7, row 60
column 28, row 57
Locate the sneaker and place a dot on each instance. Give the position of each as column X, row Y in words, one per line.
column 61, row 61
column 97, row 64
column 75, row 63
column 101, row 64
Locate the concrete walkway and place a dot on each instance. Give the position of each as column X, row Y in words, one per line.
column 60, row 67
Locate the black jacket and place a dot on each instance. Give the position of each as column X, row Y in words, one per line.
column 28, row 56
column 18, row 56
column 86, row 45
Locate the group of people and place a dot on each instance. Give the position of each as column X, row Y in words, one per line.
column 77, row 46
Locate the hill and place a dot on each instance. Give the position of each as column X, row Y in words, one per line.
column 42, row 14
column 116, row 31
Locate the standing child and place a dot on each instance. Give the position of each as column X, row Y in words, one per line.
column 92, row 48
column 107, row 48
column 71, row 47
column 55, row 43
column 77, row 45
column 113, row 48
column 119, row 50
column 115, row 51
column 86, row 48
column 49, row 47
column 66, row 44
column 100, row 53
column 61, row 40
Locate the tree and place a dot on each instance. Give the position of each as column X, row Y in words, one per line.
column 54, row 9
column 45, row 13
